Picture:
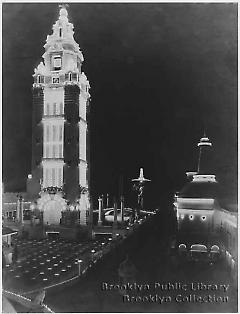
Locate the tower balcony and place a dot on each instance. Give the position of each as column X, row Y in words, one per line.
column 53, row 116
column 53, row 159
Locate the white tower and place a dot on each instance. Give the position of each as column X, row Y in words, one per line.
column 60, row 101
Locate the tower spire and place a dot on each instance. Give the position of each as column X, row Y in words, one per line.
column 204, row 132
column 63, row 5
column 63, row 13
column 203, row 160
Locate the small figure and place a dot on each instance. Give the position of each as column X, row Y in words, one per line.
column 127, row 271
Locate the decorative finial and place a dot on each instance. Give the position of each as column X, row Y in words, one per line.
column 63, row 6
column 204, row 133
column 63, row 14
column 204, row 129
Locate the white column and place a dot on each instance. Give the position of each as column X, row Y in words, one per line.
column 99, row 210
column 115, row 211
column 122, row 208
column 18, row 210
column 21, row 211
column 83, row 209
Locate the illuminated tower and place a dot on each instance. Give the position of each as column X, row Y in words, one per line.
column 204, row 160
column 60, row 101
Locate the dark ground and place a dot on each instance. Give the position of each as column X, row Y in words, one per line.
column 147, row 248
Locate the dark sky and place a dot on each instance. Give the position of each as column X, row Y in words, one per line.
column 158, row 73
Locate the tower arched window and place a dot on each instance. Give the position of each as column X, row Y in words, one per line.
column 53, row 151
column 61, row 108
column 60, row 151
column 57, row 62
column 60, row 132
column 60, row 32
column 47, row 136
column 48, row 110
column 54, row 133
column 70, row 76
column 54, row 109
column 47, row 151
column 39, row 79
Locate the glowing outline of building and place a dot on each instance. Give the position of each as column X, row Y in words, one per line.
column 201, row 218
column 60, row 136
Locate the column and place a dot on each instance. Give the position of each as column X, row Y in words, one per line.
column 102, row 201
column 21, row 210
column 115, row 213
column 18, row 209
column 115, row 222
column 122, row 208
column 99, row 211
column 83, row 209
column 19, row 214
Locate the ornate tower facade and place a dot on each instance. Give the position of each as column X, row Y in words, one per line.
column 60, row 104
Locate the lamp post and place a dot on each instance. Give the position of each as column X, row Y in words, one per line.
column 83, row 205
column 102, row 201
column 78, row 212
column 99, row 211
column 19, row 213
column 122, row 208
column 92, row 255
column 115, row 217
column 79, row 267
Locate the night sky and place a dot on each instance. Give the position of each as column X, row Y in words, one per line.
column 159, row 74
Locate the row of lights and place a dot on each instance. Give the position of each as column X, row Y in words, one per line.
column 191, row 217
column 214, row 248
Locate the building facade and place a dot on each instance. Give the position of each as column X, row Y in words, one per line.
column 60, row 135
column 195, row 206
column 14, row 205
column 202, row 217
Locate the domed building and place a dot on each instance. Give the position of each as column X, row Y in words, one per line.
column 195, row 205
column 201, row 215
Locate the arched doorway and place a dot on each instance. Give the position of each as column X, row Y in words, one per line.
column 52, row 213
column 51, row 205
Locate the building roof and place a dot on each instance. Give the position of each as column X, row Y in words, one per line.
column 200, row 190
column 6, row 230
column 207, row 187
column 12, row 197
